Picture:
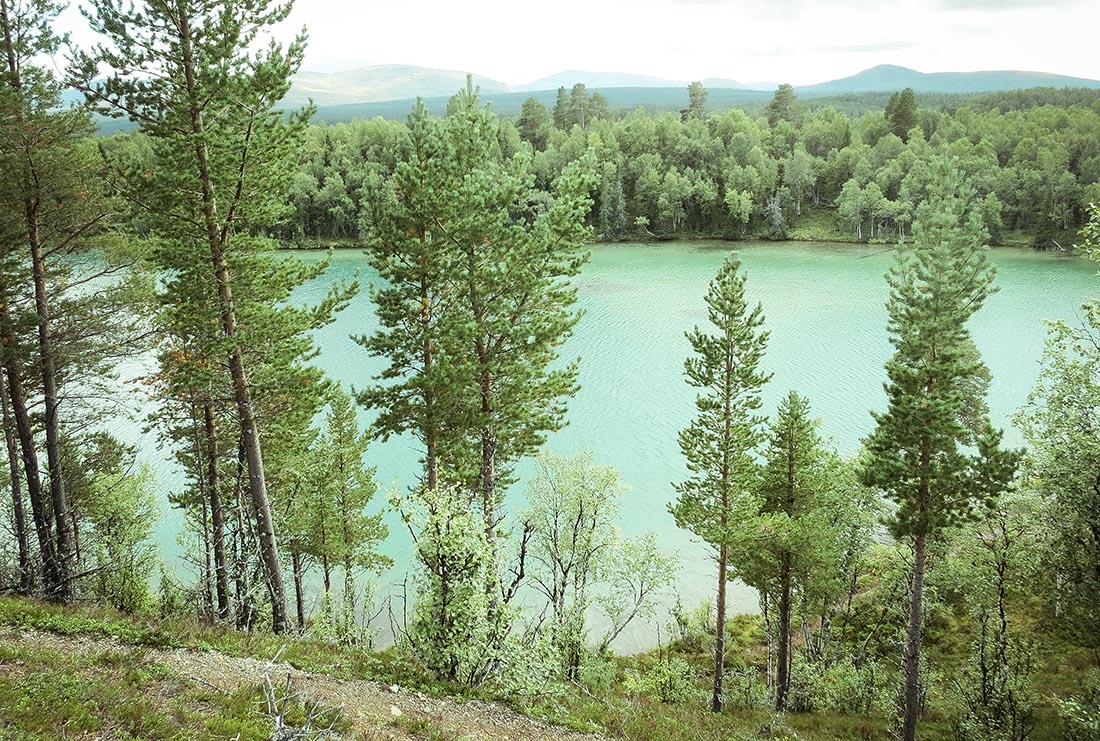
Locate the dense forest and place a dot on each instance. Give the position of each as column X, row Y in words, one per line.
column 938, row 581
column 1033, row 156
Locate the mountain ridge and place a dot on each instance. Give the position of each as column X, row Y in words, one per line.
column 381, row 83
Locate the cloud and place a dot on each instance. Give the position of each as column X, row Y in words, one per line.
column 874, row 48
column 994, row 5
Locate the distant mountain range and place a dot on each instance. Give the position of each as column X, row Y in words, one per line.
column 625, row 79
column 405, row 82
column 379, row 83
column 888, row 77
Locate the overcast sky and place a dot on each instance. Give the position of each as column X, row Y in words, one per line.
column 795, row 41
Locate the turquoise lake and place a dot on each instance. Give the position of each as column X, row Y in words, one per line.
column 824, row 306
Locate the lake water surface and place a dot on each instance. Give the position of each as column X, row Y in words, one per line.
column 825, row 310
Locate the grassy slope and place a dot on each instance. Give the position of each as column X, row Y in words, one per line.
column 44, row 694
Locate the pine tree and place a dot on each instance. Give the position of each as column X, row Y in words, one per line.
column 187, row 74
column 53, row 207
column 477, row 297
column 561, row 110
column 405, row 228
column 514, row 301
column 901, row 113
column 351, row 486
column 697, row 97
column 934, row 452
column 792, row 543
column 534, row 124
column 720, row 441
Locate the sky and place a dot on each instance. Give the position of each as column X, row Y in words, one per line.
column 796, row 41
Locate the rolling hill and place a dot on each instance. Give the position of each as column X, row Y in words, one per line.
column 379, row 83
column 888, row 77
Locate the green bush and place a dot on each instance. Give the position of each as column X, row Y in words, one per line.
column 598, row 672
column 842, row 689
column 668, row 680
column 1080, row 715
column 745, row 689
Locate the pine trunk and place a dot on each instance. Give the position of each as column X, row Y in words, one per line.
column 299, row 599
column 60, row 551
column 58, row 497
column 720, row 632
column 25, row 433
column 19, row 517
column 913, row 642
column 783, row 660
column 431, row 457
column 486, row 478
column 207, row 570
column 217, row 515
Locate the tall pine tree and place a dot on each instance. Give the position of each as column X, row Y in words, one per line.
column 187, row 72
column 934, row 452
column 721, row 440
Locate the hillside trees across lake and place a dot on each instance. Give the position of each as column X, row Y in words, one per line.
column 1034, row 161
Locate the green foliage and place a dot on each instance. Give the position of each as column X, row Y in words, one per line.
column 697, row 97
column 783, row 107
column 578, row 561
column 449, row 630
column 534, row 124
column 933, row 452
column 996, row 699
column 804, row 536
column 918, row 454
column 901, row 113
column 1080, row 715
column 843, row 688
column 504, row 261
column 224, row 160
column 719, row 171
column 572, row 505
column 719, row 443
column 122, row 524
column 1060, row 424
column 671, row 679
column 346, row 487
column 745, row 689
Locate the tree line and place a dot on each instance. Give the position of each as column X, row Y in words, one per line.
column 731, row 174
column 162, row 243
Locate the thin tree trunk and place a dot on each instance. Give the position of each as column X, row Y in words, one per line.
column 349, row 595
column 19, row 517
column 486, row 477
column 720, row 632
column 58, row 497
column 431, row 459
column 299, row 600
column 913, row 642
column 217, row 514
column 207, row 571
column 25, row 432
column 782, row 674
column 245, row 605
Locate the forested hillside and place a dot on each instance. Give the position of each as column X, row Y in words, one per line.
column 1034, row 157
